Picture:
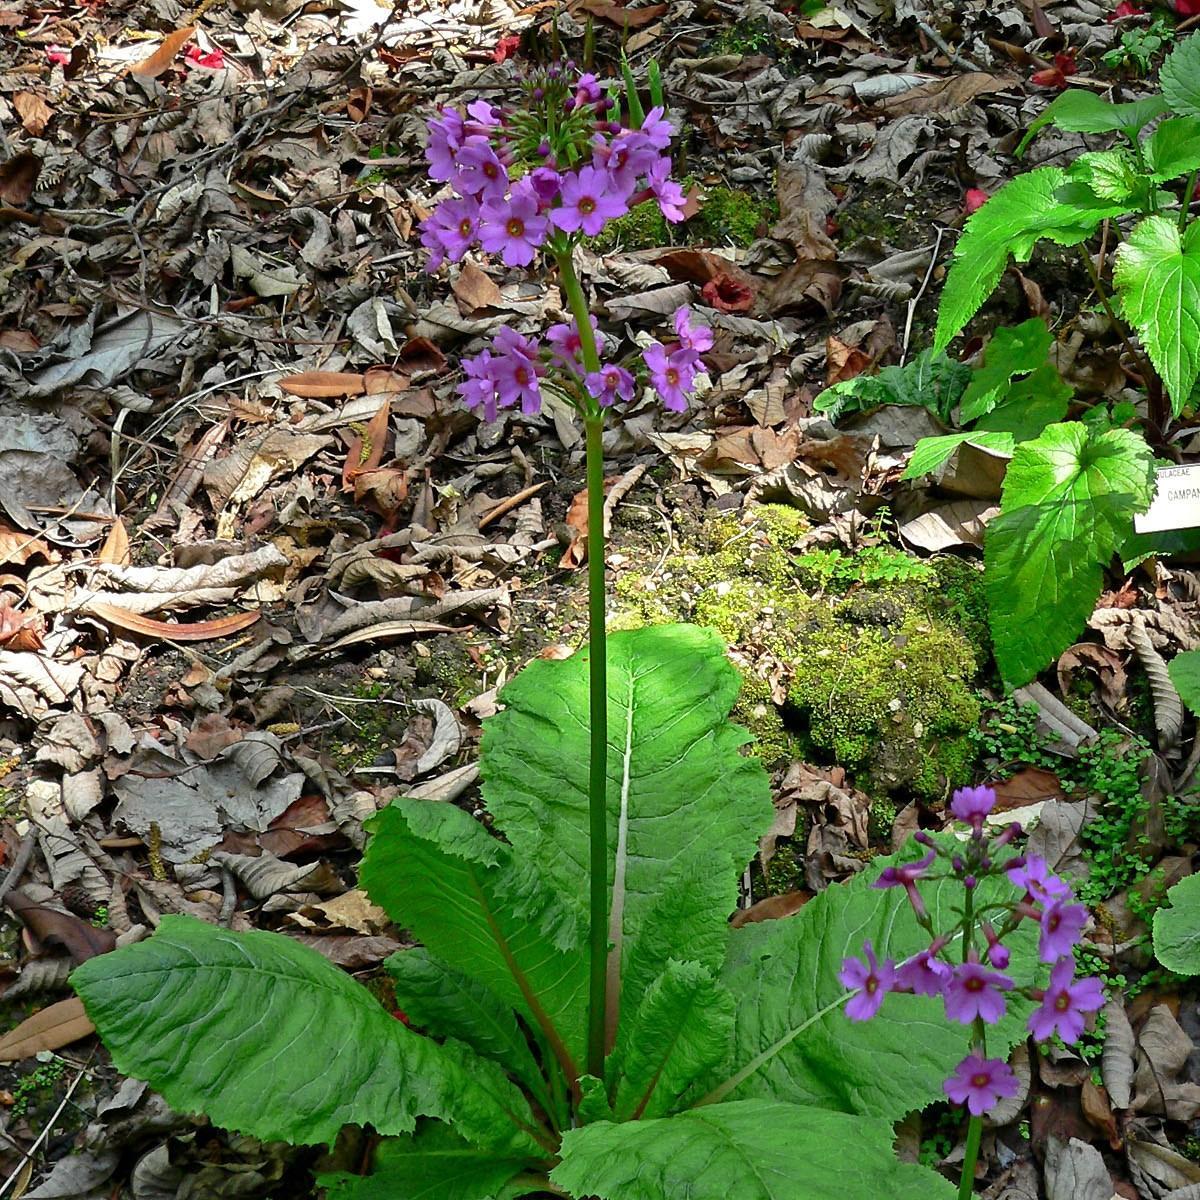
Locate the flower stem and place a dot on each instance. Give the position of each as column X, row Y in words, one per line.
column 966, row 1186
column 598, row 682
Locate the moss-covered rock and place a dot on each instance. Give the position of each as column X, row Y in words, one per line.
column 878, row 679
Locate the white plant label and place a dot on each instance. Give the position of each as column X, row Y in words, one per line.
column 1176, row 502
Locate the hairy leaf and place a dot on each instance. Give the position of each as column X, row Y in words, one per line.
column 268, row 1037
column 447, row 1002
column 1067, row 506
column 1079, row 111
column 477, row 906
column 794, row 1042
column 1179, row 78
column 1177, row 928
column 1157, row 278
column 749, row 1150
column 929, row 453
column 1173, row 149
column 1010, row 223
column 431, row 1164
column 931, row 380
column 1185, row 675
column 679, row 792
column 1013, row 350
column 1029, row 405
column 681, row 1029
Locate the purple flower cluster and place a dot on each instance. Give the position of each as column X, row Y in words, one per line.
column 511, row 372
column 516, row 187
column 972, row 993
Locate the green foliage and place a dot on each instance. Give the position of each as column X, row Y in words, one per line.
column 1185, row 675
column 931, row 380
column 1157, row 277
column 750, row 1150
column 872, row 564
column 931, row 452
column 1173, row 148
column 1012, row 351
column 1180, row 78
column 1079, row 111
column 1177, row 928
column 1139, row 46
column 1066, row 507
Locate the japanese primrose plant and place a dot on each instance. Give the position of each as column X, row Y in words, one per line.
column 1073, row 487
column 582, row 1020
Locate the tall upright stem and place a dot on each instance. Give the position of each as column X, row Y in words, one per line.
column 966, row 1185
column 598, row 681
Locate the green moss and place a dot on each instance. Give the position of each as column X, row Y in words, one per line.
column 756, row 712
column 878, row 681
column 751, row 36
column 730, row 215
column 785, row 871
column 642, row 228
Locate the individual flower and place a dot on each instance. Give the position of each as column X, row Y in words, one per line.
column 924, row 974
column 547, row 183
column 655, row 130
column 1057, row 75
column 974, row 991
column 1061, row 926
column 566, row 348
column 506, row 47
column 873, row 981
column 480, row 171
column 516, row 370
column 609, row 384
column 1065, row 1003
column 997, row 952
column 587, row 90
column 972, row 804
column 59, row 56
column 907, row 875
column 484, row 115
column 478, row 390
column 626, row 158
column 665, row 190
column 671, row 375
column 513, row 228
column 214, row 60
column 446, row 135
column 980, row 1082
column 694, row 337
column 449, row 231
column 589, row 201
column 1035, row 876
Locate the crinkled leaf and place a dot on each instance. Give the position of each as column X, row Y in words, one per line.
column 931, row 380
column 750, row 1150
column 1010, row 223
column 1067, row 506
column 1173, row 149
column 1079, row 111
column 1179, row 78
column 445, row 1001
column 1157, row 278
column 792, row 1040
column 432, row 1164
column 681, row 1029
column 1177, row 928
column 1030, row 404
column 1013, row 350
column 931, row 452
column 478, row 906
column 1185, row 675
column 1104, row 177
column 679, row 791
column 268, row 1037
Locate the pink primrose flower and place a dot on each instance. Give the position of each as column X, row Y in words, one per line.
column 1065, row 1003
column 980, row 1083
column 873, row 981
column 609, row 384
column 589, row 201
column 974, row 991
column 513, row 228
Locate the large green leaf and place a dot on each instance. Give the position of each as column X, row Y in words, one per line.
column 1067, row 506
column 1013, row 350
column 432, row 1164
column 681, row 1029
column 1179, row 78
column 1079, row 111
column 793, row 1041
column 268, row 1037
column 680, row 795
column 930, row 380
column 1157, row 278
column 1185, row 675
column 484, row 910
column 750, row 1150
column 445, row 1001
column 1029, row 405
column 1177, row 928
column 1173, row 149
column 1010, row 223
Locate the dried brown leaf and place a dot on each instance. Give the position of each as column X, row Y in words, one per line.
column 318, row 385
column 57, row 1025
column 771, row 909
column 175, row 631
column 163, row 58
column 116, row 545
column 475, row 289
column 81, row 939
column 34, row 112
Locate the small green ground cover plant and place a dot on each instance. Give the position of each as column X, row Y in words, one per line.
column 581, row 1018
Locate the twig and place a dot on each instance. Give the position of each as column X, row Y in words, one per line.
column 940, row 42
column 509, row 503
column 20, row 862
column 912, row 304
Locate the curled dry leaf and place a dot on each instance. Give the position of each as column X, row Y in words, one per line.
column 163, row 58
column 319, row 385
column 173, row 631
column 55, row 927
column 772, row 908
column 1075, row 1170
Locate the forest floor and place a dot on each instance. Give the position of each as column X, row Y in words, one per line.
column 260, row 572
